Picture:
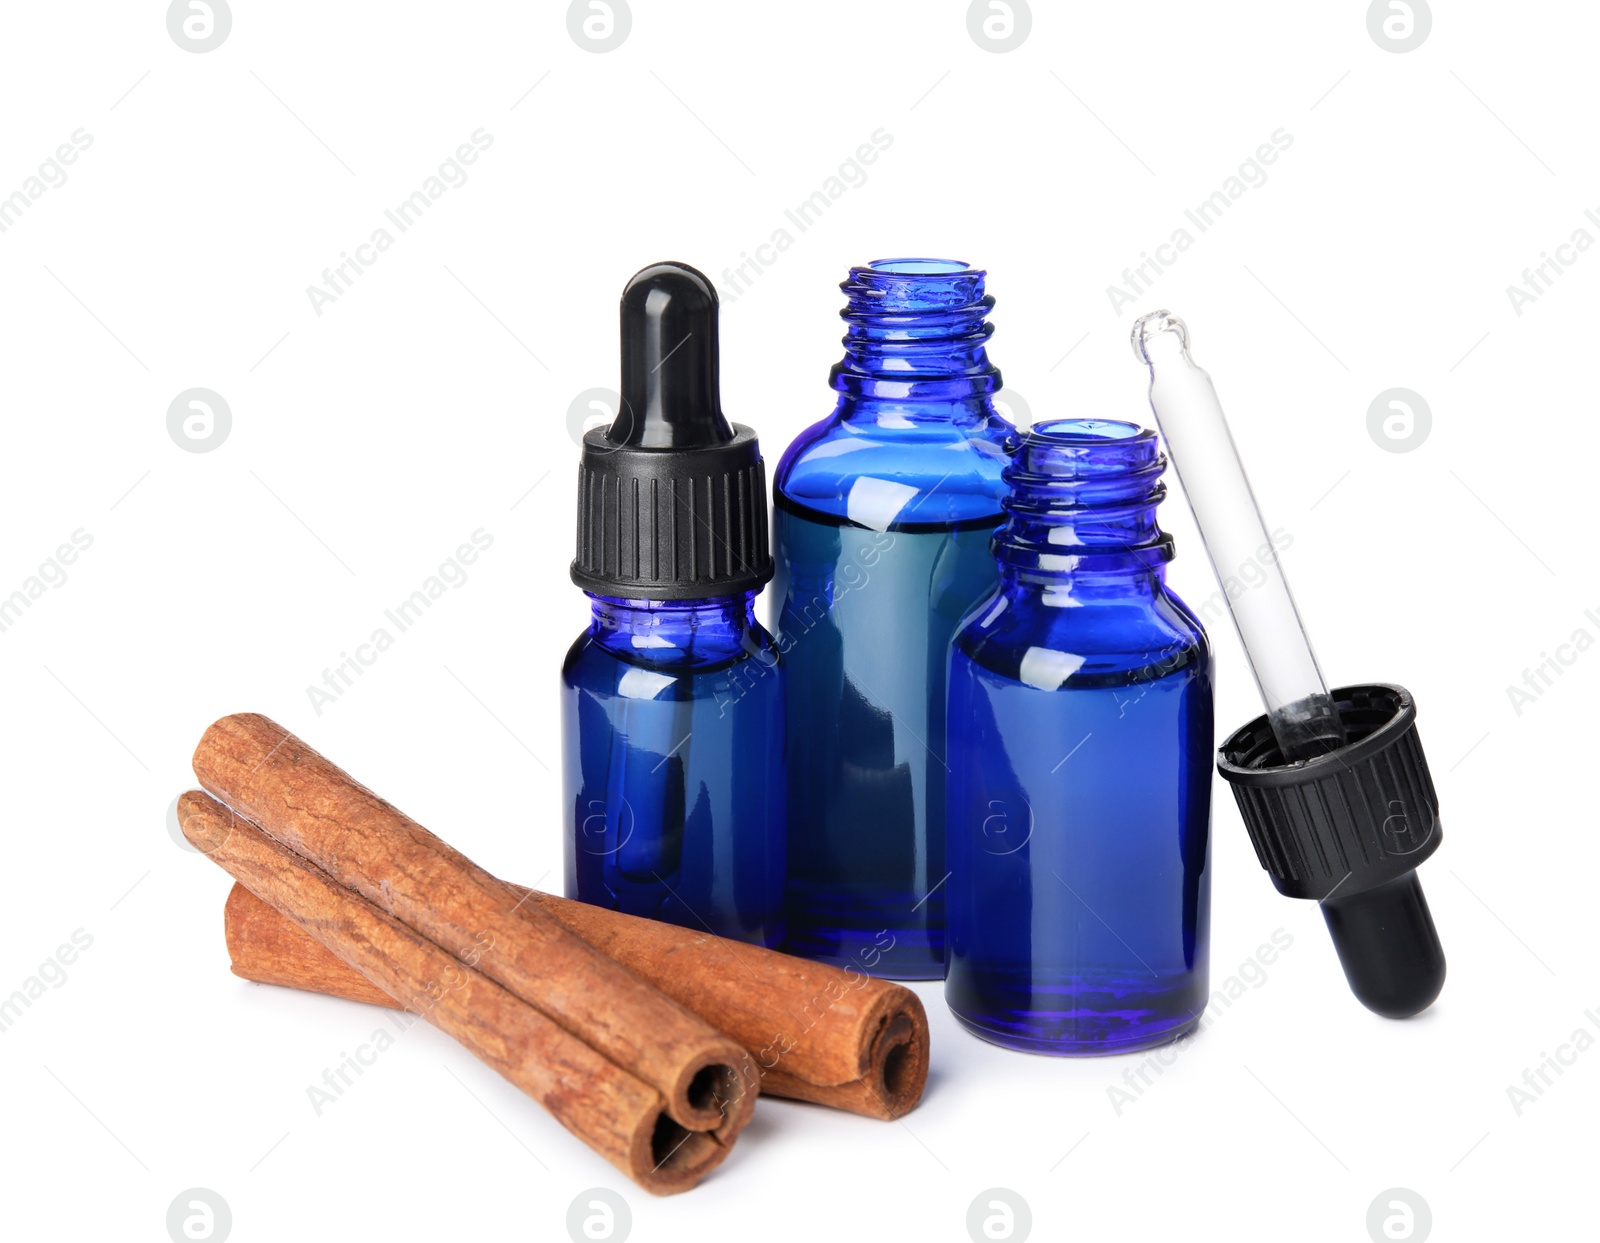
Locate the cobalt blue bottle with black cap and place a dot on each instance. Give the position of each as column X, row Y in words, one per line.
column 1079, row 753
column 673, row 699
column 884, row 513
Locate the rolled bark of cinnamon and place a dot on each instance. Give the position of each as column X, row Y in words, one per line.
column 819, row 1034
column 318, row 811
column 614, row 1112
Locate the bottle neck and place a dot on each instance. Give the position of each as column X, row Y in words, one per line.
column 1081, row 511
column 916, row 332
column 673, row 632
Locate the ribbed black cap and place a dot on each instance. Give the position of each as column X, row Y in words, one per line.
column 672, row 498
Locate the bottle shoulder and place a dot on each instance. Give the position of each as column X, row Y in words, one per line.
column 895, row 469
column 1092, row 638
column 605, row 657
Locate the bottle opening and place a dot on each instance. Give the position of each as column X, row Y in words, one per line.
column 1084, row 462
column 919, row 267
column 1085, row 429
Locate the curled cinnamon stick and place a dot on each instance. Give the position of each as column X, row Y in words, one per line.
column 614, row 1112
column 308, row 804
column 819, row 1034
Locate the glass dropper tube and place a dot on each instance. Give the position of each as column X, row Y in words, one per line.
column 1301, row 712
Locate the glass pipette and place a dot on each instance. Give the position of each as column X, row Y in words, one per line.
column 1340, row 815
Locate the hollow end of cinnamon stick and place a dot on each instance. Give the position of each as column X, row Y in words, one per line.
column 676, row 1158
column 895, row 1074
column 717, row 1093
column 899, row 1064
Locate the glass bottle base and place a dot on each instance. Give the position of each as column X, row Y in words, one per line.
column 1085, row 1014
column 1023, row 1034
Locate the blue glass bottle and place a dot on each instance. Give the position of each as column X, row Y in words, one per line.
column 1080, row 736
column 884, row 515
column 673, row 712
column 672, row 701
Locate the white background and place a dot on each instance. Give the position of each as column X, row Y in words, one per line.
column 431, row 400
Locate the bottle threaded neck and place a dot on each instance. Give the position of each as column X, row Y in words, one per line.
column 1083, row 497
column 637, row 616
column 916, row 330
column 672, row 632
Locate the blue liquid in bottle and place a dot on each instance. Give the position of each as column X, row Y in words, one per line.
column 1080, row 737
column 884, row 515
column 676, row 779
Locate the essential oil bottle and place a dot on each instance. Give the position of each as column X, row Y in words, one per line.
column 884, row 514
column 1080, row 736
column 672, row 701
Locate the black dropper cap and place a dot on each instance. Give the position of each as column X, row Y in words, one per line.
column 1349, row 829
column 672, row 498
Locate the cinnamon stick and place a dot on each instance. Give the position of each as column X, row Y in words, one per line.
column 615, row 1113
column 303, row 801
column 819, row 1034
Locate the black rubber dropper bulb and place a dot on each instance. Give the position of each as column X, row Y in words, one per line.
column 1388, row 946
column 670, row 387
column 672, row 497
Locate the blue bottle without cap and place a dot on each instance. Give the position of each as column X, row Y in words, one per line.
column 1079, row 752
column 884, row 514
column 672, row 700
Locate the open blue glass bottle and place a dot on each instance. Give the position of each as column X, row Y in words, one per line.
column 884, row 514
column 1080, row 737
column 673, row 699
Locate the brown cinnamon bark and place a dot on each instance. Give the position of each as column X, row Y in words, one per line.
column 819, row 1034
column 615, row 1113
column 303, row 801
column 274, row 950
